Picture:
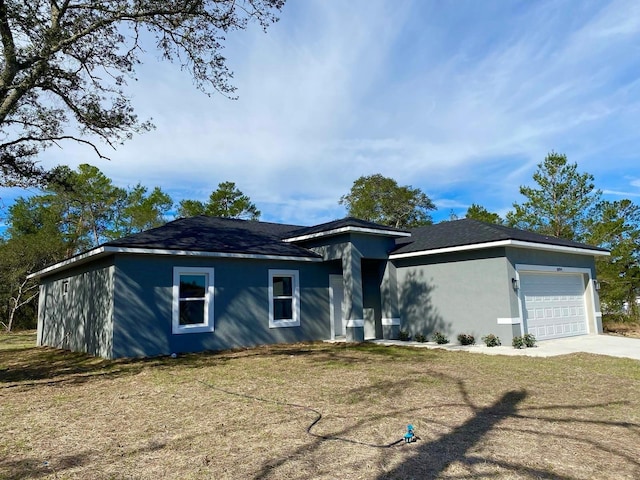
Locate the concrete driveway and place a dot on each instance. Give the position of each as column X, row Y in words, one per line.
column 597, row 344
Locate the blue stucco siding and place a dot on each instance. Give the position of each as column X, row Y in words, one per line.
column 368, row 246
column 371, row 246
column 78, row 316
column 143, row 304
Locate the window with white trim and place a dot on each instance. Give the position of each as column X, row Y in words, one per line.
column 284, row 298
column 193, row 291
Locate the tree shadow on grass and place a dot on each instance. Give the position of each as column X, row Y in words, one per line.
column 34, row 468
column 46, row 365
column 448, row 449
column 37, row 468
column 431, row 458
column 434, row 457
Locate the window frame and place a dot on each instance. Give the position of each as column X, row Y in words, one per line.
column 208, row 318
column 295, row 299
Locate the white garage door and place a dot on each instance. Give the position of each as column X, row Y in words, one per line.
column 554, row 305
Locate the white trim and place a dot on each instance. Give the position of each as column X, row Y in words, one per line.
column 355, row 322
column 501, row 243
column 106, row 250
column 509, row 321
column 598, row 314
column 69, row 261
column 295, row 308
column 208, row 321
column 390, row 321
column 520, row 303
column 348, row 229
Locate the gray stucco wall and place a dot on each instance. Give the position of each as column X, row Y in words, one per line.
column 541, row 257
column 143, row 305
column 468, row 292
column 82, row 319
column 456, row 293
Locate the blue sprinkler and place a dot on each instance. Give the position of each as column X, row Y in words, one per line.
column 410, row 436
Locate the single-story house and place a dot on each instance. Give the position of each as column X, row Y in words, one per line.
column 205, row 283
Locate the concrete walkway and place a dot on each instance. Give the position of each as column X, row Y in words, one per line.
column 597, row 344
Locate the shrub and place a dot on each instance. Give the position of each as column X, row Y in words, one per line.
column 491, row 340
column 518, row 342
column 419, row 337
column 404, row 335
column 440, row 339
column 466, row 339
column 529, row 340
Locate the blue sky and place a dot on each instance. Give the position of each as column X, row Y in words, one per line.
column 461, row 99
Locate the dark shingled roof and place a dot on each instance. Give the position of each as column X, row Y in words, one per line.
column 214, row 234
column 470, row 232
column 344, row 222
column 225, row 235
column 232, row 236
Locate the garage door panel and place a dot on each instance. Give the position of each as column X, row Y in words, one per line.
column 553, row 304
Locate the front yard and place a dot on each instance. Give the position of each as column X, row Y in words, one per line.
column 316, row 411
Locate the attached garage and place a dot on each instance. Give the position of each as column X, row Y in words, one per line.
column 553, row 304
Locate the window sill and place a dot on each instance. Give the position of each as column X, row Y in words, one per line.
column 193, row 329
column 284, row 323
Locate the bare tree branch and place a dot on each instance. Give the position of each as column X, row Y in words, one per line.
column 83, row 52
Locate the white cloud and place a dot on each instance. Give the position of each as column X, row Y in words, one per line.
column 461, row 99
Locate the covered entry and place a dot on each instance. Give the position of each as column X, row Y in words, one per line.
column 554, row 304
column 336, row 302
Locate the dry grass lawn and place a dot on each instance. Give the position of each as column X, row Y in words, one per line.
column 250, row 415
column 625, row 329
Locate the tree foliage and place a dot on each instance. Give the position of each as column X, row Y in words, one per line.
column 87, row 201
column 380, row 199
column 78, row 211
column 478, row 212
column 21, row 255
column 141, row 211
column 561, row 204
column 65, row 65
column 616, row 226
column 227, row 201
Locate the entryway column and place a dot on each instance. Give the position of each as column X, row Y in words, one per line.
column 353, row 311
column 389, row 299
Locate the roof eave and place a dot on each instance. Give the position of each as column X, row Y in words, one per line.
column 108, row 250
column 348, row 229
column 77, row 260
column 503, row 243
